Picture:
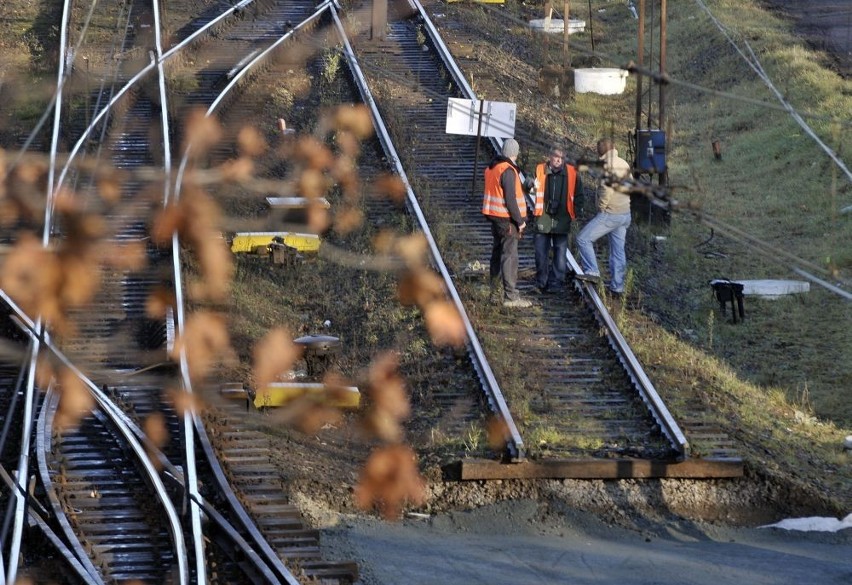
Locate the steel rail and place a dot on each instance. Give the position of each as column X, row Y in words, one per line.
column 36, row 518
column 657, row 407
column 173, row 474
column 155, row 62
column 237, row 508
column 515, row 443
column 119, row 419
column 29, row 395
column 11, row 507
column 56, row 505
column 189, row 468
column 641, row 382
column 450, row 63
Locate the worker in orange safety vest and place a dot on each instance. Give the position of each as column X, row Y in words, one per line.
column 557, row 185
column 504, row 206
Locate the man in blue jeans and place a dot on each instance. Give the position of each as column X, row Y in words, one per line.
column 612, row 220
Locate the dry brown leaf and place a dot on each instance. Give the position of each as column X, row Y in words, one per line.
column 155, row 428
column 356, row 119
column 383, row 241
column 206, row 342
column 389, row 480
column 389, row 403
column 274, row 355
column 420, row 287
column 445, row 324
column 217, row 268
column 313, row 153
column 168, row 220
column 81, row 279
column 251, row 141
column 75, row 401
column 319, row 219
column 497, row 432
column 413, row 249
column 348, row 144
column 379, row 424
column 307, row 416
column 312, row 183
column 109, row 183
column 345, row 173
column 390, row 186
column 237, row 170
column 158, row 302
column 348, row 220
column 44, row 371
column 125, row 256
column 32, row 276
column 201, row 132
column 184, row 401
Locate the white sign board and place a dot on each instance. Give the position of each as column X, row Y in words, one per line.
column 498, row 118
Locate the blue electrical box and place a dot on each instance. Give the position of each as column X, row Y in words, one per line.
column 651, row 151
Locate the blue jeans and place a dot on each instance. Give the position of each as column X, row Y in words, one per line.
column 603, row 224
column 549, row 274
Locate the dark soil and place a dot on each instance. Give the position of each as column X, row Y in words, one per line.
column 825, row 24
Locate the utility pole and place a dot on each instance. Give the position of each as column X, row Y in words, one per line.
column 649, row 141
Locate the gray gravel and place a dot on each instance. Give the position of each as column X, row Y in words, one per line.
column 527, row 542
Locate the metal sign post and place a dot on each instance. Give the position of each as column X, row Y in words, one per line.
column 480, row 118
column 476, row 155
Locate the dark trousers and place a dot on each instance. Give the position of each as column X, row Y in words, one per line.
column 547, row 273
column 504, row 255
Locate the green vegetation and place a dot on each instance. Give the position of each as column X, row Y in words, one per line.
column 778, row 383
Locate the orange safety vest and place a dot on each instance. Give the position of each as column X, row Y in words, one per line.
column 539, row 193
column 493, row 201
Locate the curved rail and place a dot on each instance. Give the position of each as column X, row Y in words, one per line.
column 118, row 419
column 190, row 472
column 268, row 554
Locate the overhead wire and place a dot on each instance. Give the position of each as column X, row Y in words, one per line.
column 753, row 62
column 753, row 242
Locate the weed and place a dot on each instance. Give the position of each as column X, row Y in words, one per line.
column 331, row 65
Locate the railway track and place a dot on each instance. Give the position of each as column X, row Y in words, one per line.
column 577, row 390
column 92, row 480
column 580, row 405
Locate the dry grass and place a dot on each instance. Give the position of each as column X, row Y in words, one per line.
column 778, row 382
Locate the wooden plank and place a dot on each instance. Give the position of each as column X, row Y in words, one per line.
column 481, row 469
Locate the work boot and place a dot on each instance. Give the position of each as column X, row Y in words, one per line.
column 517, row 303
column 592, row 278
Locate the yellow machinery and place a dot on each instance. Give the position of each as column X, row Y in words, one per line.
column 280, row 393
column 258, row 242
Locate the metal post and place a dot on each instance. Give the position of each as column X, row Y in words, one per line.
column 88, row 92
column 379, row 20
column 476, row 156
column 640, row 61
column 662, row 63
column 591, row 26
column 566, row 57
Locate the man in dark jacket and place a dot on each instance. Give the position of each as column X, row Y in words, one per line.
column 557, row 193
column 504, row 205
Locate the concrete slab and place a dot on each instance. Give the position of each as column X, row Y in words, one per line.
column 773, row 289
column 557, row 25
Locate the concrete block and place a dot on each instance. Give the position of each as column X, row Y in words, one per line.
column 773, row 289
